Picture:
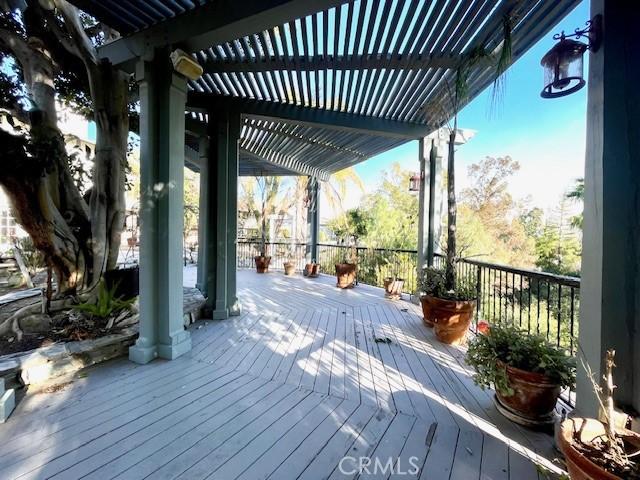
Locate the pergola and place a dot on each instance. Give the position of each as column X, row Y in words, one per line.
column 309, row 87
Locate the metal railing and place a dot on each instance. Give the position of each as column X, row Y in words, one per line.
column 538, row 302
column 374, row 264
column 280, row 252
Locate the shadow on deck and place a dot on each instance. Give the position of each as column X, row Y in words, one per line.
column 287, row 390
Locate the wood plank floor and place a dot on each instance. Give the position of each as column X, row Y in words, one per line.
column 307, row 376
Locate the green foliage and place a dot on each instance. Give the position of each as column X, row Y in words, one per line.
column 106, row 303
column 577, row 194
column 519, row 349
column 432, row 282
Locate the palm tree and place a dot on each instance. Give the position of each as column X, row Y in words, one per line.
column 338, row 186
column 577, row 195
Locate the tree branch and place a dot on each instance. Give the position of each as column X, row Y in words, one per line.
column 17, row 46
column 81, row 42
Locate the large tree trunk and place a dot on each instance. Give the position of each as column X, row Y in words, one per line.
column 110, row 91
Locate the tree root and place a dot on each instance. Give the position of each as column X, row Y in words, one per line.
column 12, row 323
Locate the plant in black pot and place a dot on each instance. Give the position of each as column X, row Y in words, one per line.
column 527, row 372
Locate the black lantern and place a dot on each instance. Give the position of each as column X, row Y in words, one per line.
column 563, row 64
column 414, row 183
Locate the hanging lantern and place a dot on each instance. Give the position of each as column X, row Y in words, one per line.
column 563, row 64
column 414, row 183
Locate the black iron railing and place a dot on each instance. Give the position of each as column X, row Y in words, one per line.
column 280, row 252
column 538, row 302
column 374, row 264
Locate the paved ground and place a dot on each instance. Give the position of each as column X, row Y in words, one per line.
column 307, row 376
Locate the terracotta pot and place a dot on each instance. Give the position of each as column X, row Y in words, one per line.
column 579, row 466
column 311, row 270
column 534, row 398
column 393, row 287
column 289, row 268
column 450, row 318
column 262, row 263
column 346, row 275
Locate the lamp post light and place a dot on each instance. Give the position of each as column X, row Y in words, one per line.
column 563, row 64
column 414, row 183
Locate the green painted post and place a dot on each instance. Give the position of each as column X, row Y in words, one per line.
column 203, row 217
column 233, row 305
column 610, row 285
column 162, row 102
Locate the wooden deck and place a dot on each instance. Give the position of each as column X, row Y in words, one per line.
column 307, row 375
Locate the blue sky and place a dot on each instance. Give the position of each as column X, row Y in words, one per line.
column 547, row 136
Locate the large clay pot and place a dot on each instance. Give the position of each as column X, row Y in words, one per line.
column 262, row 263
column 289, row 268
column 579, row 466
column 534, row 397
column 393, row 287
column 311, row 270
column 450, row 318
column 346, row 275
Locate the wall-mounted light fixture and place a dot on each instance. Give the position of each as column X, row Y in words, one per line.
column 414, row 183
column 563, row 64
column 184, row 64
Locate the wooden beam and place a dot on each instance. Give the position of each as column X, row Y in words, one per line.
column 340, row 62
column 209, row 24
column 310, row 116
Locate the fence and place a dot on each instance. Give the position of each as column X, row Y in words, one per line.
column 374, row 264
column 538, row 302
column 280, row 252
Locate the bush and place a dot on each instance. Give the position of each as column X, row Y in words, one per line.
column 518, row 349
column 106, row 303
column 432, row 283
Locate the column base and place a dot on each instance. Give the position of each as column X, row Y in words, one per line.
column 180, row 345
column 220, row 314
column 235, row 309
column 141, row 354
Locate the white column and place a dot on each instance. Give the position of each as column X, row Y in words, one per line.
column 203, row 217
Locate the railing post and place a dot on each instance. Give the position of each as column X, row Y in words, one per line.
column 478, row 291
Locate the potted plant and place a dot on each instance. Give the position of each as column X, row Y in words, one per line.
column 346, row 269
column 447, row 303
column 311, row 270
column 262, row 260
column 596, row 449
column 448, row 310
column 527, row 372
column 289, row 266
column 353, row 225
column 393, row 285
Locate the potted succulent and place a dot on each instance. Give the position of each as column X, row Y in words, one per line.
column 448, row 310
column 596, row 449
column 527, row 372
